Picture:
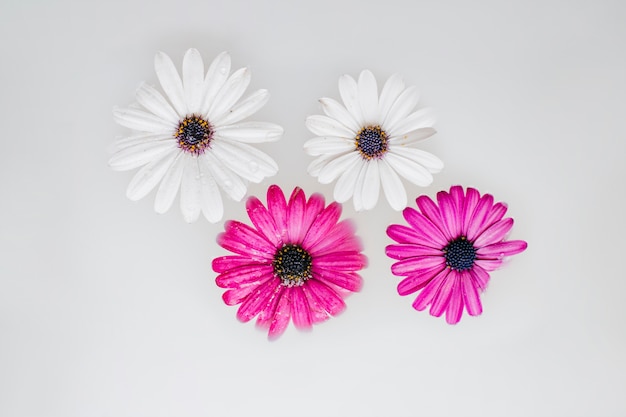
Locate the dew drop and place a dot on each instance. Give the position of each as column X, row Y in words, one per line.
column 254, row 166
column 228, row 184
column 223, row 70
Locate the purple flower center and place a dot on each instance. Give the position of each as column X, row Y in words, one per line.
column 194, row 134
column 371, row 142
column 460, row 254
column 292, row 265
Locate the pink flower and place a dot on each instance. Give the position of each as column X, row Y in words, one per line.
column 448, row 250
column 298, row 261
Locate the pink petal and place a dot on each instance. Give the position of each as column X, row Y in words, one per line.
column 263, row 221
column 475, row 225
column 225, row 263
column 430, row 290
column 488, row 264
column 410, row 250
column 450, row 214
column 264, row 320
column 300, row 312
column 245, row 241
column 494, row 233
column 350, row 281
column 480, row 277
column 277, row 207
column 456, row 192
column 471, row 298
column 410, row 266
column 441, row 300
column 327, row 298
column 430, row 210
column 281, row 315
column 501, row 249
column 344, row 261
column 404, row 234
column 322, row 225
column 237, row 295
column 497, row 212
column 244, row 275
column 455, row 304
column 295, row 216
column 259, row 299
column 340, row 238
column 316, row 309
column 314, row 207
column 416, row 282
column 430, row 234
column 469, row 205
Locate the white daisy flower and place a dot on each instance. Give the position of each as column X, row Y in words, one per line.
column 193, row 138
column 369, row 142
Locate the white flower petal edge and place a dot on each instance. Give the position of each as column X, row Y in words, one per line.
column 369, row 141
column 192, row 137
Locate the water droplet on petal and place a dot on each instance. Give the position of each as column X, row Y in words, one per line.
column 254, row 166
column 228, row 184
column 223, row 70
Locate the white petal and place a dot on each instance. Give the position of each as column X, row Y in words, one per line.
column 325, row 126
column 216, row 76
column 371, row 185
column 421, row 118
column 328, row 145
column 245, row 160
column 229, row 94
column 401, row 108
column 410, row 170
column 336, row 167
column 336, row 111
column 170, row 82
column 138, row 139
column 412, row 137
column 317, row 164
column 190, row 190
column 137, row 155
column 193, row 79
column 349, row 91
column 154, row 102
column 357, row 198
column 142, row 121
column 344, row 189
column 392, row 186
column 210, row 197
column 368, row 98
column 250, row 132
column 228, row 181
column 169, row 185
column 423, row 158
column 244, row 108
column 391, row 91
column 149, row 176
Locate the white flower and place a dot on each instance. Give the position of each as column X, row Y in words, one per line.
column 369, row 141
column 193, row 138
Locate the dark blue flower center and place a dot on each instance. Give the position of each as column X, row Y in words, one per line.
column 460, row 254
column 194, row 134
column 371, row 142
column 292, row 265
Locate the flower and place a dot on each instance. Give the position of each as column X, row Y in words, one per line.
column 370, row 140
column 448, row 250
column 298, row 261
column 194, row 139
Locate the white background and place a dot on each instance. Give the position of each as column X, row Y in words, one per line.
column 108, row 309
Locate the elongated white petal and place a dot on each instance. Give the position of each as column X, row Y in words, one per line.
column 245, row 160
column 368, row 98
column 392, row 186
column 190, row 190
column 154, row 102
column 193, row 79
column 170, row 82
column 250, row 132
column 135, row 156
column 335, row 110
column 229, row 94
column 423, row 158
column 143, row 121
column 325, row 126
column 412, row 137
column 336, row 167
column 357, row 198
column 227, row 180
column 391, row 91
column 317, row 164
column 417, row 120
column 410, row 170
column 371, row 185
column 138, row 139
column 210, row 196
column 149, row 176
column 170, row 184
column 244, row 108
column 216, row 76
column 401, row 108
column 328, row 145
column 349, row 91
column 344, row 189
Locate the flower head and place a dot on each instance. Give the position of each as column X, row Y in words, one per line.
column 369, row 141
column 448, row 250
column 193, row 137
column 297, row 262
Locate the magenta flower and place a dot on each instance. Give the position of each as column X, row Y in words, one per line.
column 448, row 250
column 298, row 261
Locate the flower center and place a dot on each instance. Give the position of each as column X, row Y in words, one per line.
column 292, row 265
column 460, row 254
column 194, row 134
column 371, row 142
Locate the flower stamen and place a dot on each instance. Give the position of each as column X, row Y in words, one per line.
column 292, row 265
column 194, row 134
column 460, row 254
column 371, row 142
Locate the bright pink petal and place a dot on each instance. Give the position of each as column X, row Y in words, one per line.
column 471, row 298
column 432, row 213
column 350, row 281
column 327, row 298
column 416, row 282
column 454, row 311
column 244, row 240
column 225, row 263
column 497, row 212
column 340, row 238
column 456, row 192
column 410, row 266
column 264, row 320
column 322, row 225
column 483, row 208
column 314, row 207
column 281, row 316
column 449, row 213
column 429, row 292
column 244, row 275
column 430, row 234
column 441, row 300
column 488, row 264
column 472, row 196
column 410, row 250
column 501, row 249
column 237, row 295
column 343, row 261
column 404, row 234
column 295, row 216
column 277, row 207
column 263, row 221
column 494, row 233
column 480, row 277
column 300, row 312
column 258, row 299
column 317, row 310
